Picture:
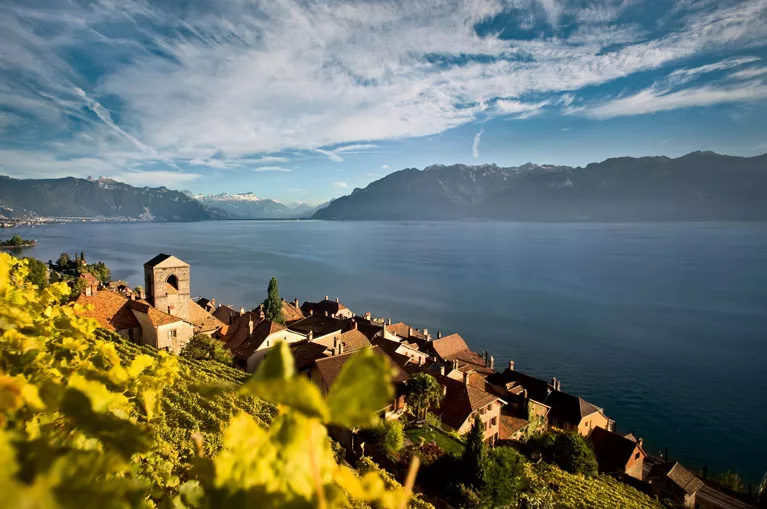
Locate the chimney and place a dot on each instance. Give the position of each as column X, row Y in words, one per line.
column 250, row 327
column 409, row 332
column 340, row 348
column 439, row 334
column 310, row 336
column 484, row 356
column 242, row 311
column 354, row 324
column 336, row 300
column 426, row 333
column 141, row 294
column 466, row 378
column 311, row 311
column 640, row 441
column 213, row 302
column 295, row 303
column 261, row 314
column 388, row 321
column 442, row 370
column 554, row 383
column 492, row 363
column 367, row 316
column 559, row 385
column 326, row 297
column 88, row 290
column 511, row 365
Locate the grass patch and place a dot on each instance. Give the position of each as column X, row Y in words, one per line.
column 442, row 439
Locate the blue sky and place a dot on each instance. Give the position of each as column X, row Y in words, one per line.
column 305, row 100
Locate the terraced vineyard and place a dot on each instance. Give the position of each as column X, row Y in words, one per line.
column 575, row 491
column 187, row 411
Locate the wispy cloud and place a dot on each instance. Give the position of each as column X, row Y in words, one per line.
column 475, row 144
column 272, row 168
column 652, row 100
column 340, row 185
column 385, row 166
column 155, row 178
column 244, row 78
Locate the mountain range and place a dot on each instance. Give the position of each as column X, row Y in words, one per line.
column 96, row 198
column 249, row 206
column 700, row 186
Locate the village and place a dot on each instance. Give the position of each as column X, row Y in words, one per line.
column 512, row 406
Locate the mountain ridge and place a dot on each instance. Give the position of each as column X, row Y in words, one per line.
column 699, row 186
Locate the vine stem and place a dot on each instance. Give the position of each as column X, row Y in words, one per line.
column 415, row 462
column 321, row 502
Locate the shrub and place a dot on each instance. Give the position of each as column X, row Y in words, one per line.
column 202, row 347
column 568, row 450
column 504, row 477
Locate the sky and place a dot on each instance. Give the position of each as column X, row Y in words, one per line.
column 306, row 100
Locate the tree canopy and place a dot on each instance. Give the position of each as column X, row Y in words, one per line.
column 273, row 303
column 422, row 392
column 202, row 347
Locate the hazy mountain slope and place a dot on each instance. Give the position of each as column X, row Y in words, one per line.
column 249, row 206
column 73, row 197
column 698, row 186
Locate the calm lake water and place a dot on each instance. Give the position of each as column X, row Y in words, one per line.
column 663, row 325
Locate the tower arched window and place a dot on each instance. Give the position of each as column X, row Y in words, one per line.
column 172, row 284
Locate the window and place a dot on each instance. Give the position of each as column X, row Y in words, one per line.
column 172, row 334
column 636, row 456
column 494, row 420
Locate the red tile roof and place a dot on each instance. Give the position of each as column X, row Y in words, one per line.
column 202, row 320
column 330, row 367
column 110, row 310
column 404, row 331
column 449, row 346
column 238, row 331
column 460, row 401
column 509, row 425
column 353, row 340
column 679, row 475
column 156, row 316
column 260, row 333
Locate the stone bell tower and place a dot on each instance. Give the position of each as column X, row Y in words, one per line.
column 168, row 285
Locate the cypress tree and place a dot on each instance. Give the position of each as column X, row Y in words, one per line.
column 475, row 454
column 273, row 303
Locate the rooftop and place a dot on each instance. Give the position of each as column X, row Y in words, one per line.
column 165, row 260
column 679, row 475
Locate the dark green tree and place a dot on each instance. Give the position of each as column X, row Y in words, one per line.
column 572, row 453
column 505, row 477
column 422, row 392
column 202, row 347
column 100, row 271
column 273, row 303
column 63, row 261
column 388, row 437
column 475, row 454
column 38, row 273
column 17, row 241
column 82, row 257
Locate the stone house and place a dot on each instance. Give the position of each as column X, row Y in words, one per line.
column 250, row 339
column 618, row 454
column 672, row 480
column 327, row 369
column 326, row 307
column 462, row 402
column 136, row 320
column 531, row 396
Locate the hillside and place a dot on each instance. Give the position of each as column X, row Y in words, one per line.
column 701, row 186
column 73, row 197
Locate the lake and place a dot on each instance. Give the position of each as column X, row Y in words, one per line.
column 663, row 325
